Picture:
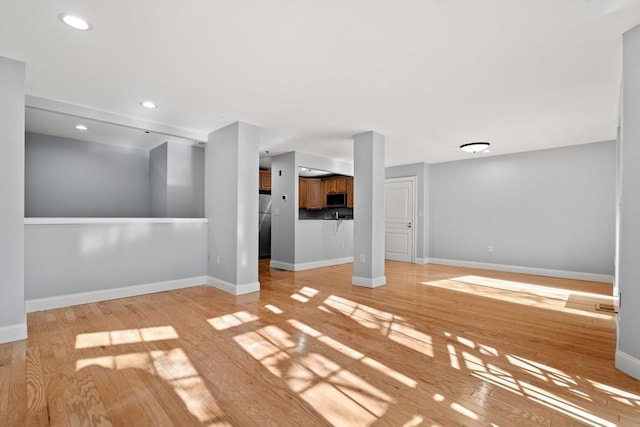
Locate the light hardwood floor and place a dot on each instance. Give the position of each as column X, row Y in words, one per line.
column 436, row 346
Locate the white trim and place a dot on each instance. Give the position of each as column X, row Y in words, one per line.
column 13, row 332
column 60, row 107
column 282, row 265
column 72, row 221
column 576, row 275
column 310, row 265
column 414, row 215
column 369, row 283
column 48, row 303
column 628, row 364
column 422, row 260
column 230, row 288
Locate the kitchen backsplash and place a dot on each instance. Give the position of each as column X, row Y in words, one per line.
column 328, row 213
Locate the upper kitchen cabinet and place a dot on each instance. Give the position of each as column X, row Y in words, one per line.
column 302, row 192
column 265, row 180
column 350, row 192
column 315, row 196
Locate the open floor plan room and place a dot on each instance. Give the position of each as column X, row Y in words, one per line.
column 436, row 346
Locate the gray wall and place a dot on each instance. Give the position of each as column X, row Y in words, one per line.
column 176, row 175
column 284, row 213
column 628, row 249
column 74, row 258
column 552, row 209
column 421, row 172
column 12, row 311
column 185, row 181
column 71, row 178
column 323, row 240
column 158, row 180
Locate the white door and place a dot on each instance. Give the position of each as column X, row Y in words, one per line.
column 399, row 235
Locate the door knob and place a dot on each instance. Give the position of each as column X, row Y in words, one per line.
column 409, row 225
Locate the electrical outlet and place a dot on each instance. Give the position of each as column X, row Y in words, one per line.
column 363, row 258
column 217, row 259
column 276, row 211
column 490, row 249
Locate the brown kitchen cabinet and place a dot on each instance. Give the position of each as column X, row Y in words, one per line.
column 265, row 180
column 315, row 195
column 349, row 184
column 303, row 189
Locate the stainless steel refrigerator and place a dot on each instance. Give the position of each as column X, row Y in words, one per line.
column 264, row 221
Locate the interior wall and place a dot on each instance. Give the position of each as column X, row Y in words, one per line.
column 185, row 181
column 158, row 180
column 67, row 259
column 284, row 213
column 71, row 178
column 550, row 209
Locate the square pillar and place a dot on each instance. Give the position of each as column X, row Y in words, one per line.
column 231, row 206
column 368, row 224
column 13, row 320
column 628, row 229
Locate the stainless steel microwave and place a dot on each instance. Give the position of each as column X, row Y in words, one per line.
column 336, row 200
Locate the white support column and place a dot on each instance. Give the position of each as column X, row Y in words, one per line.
column 628, row 238
column 13, row 321
column 368, row 212
column 231, row 206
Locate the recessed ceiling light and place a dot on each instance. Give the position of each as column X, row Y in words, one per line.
column 81, row 127
column 148, row 104
column 74, row 22
column 474, row 147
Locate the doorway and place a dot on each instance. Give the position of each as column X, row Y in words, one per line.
column 399, row 219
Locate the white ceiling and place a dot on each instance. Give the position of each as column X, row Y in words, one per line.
column 524, row 75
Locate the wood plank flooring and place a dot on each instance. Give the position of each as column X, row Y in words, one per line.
column 436, row 346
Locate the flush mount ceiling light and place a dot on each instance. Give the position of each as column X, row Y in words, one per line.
column 474, row 147
column 148, row 104
column 81, row 127
column 74, row 21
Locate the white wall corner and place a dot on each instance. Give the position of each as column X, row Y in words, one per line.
column 13, row 332
column 422, row 260
column 230, row 288
column 628, row 364
column 49, row 303
column 369, row 283
column 562, row 274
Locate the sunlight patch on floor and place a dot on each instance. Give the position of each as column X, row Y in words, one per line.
column 393, row 327
column 337, row 394
column 227, row 321
column 125, row 336
column 172, row 366
column 527, row 294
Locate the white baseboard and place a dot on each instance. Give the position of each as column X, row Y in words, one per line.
column 369, row 283
column 310, row 265
column 576, row 275
column 13, row 332
column 230, row 288
column 108, row 294
column 422, row 260
column 282, row 265
column 628, row 364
